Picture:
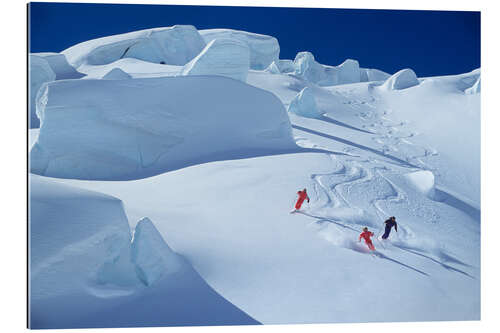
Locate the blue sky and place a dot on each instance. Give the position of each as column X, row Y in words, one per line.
column 430, row 42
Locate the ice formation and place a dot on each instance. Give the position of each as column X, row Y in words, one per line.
column 475, row 89
column 403, row 79
column 116, row 74
column 273, row 68
column 76, row 237
column 174, row 45
column 286, row 65
column 304, row 104
column 151, row 255
column 59, row 65
column 39, row 73
column 125, row 129
column 348, row 72
column 263, row 49
column 371, row 74
column 224, row 56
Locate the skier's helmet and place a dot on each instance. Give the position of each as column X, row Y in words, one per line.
column 304, row 190
column 365, row 229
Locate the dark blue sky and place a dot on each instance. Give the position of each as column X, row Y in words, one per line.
column 429, row 42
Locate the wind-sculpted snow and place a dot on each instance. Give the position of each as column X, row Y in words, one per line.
column 77, row 238
column 286, row 66
column 174, row 45
column 129, row 129
column 39, row 73
column 273, row 68
column 116, row 74
column 86, row 271
column 263, row 49
column 405, row 78
column 307, row 68
column 304, row 104
column 59, row 65
column 475, row 89
column 371, row 74
column 151, row 255
column 422, row 181
column 222, row 56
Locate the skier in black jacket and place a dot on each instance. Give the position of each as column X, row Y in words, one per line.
column 391, row 222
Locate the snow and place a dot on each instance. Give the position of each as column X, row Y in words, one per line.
column 215, row 164
column 263, row 49
column 39, row 73
column 151, row 255
column 83, row 267
column 174, row 45
column 273, row 68
column 348, row 72
column 405, row 78
column 222, row 56
column 475, row 89
column 304, row 104
column 307, row 68
column 59, row 65
column 422, row 181
column 286, row 66
column 116, row 74
column 129, row 129
column 371, row 74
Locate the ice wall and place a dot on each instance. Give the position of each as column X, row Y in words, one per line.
column 59, row 65
column 39, row 73
column 304, row 104
column 263, row 49
column 128, row 129
column 224, row 56
column 403, row 79
column 174, row 45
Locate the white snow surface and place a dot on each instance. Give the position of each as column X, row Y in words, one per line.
column 409, row 147
column 85, row 271
column 126, row 129
column 304, row 104
column 222, row 56
column 116, row 74
column 405, row 78
column 39, row 73
column 263, row 49
column 59, row 65
column 174, row 45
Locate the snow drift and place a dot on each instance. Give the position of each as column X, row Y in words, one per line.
column 221, row 56
column 78, row 239
column 403, row 79
column 116, row 74
column 59, row 65
column 151, row 255
column 304, row 104
column 39, row 73
column 126, row 129
column 263, row 49
column 371, row 74
column 174, row 45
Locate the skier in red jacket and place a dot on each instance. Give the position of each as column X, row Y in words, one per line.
column 302, row 196
column 366, row 235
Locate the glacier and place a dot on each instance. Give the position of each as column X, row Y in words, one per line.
column 126, row 129
column 174, row 45
column 222, row 56
column 263, row 49
column 39, row 73
column 163, row 199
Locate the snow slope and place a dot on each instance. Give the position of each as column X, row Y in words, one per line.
column 84, row 266
column 382, row 146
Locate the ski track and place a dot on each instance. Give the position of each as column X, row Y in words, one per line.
column 332, row 189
